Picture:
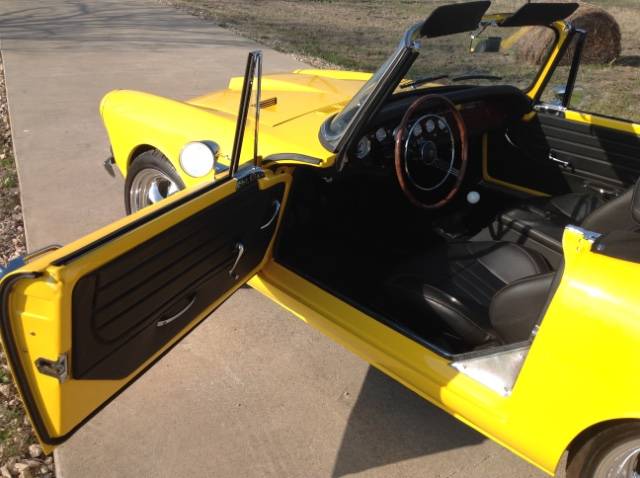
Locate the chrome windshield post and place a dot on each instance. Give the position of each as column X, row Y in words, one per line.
column 253, row 70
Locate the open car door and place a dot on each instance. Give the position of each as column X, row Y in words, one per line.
column 82, row 322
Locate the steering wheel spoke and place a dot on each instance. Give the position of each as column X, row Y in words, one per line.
column 416, row 155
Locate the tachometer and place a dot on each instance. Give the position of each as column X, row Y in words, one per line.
column 364, row 147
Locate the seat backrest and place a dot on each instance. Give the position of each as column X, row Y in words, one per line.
column 619, row 214
column 517, row 307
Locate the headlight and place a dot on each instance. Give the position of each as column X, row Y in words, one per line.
column 198, row 158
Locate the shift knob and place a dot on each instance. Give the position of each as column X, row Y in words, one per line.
column 473, row 197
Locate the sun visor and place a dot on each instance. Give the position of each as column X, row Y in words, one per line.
column 456, row 18
column 539, row 14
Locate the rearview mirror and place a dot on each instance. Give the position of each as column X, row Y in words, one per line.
column 485, row 45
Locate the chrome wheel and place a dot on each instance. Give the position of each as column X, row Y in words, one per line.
column 622, row 462
column 150, row 186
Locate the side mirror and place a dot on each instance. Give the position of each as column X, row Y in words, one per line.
column 485, row 45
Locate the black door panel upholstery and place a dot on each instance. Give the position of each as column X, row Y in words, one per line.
column 118, row 308
column 586, row 154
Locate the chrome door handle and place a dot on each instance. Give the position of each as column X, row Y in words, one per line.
column 240, row 249
column 162, row 323
column 603, row 191
column 276, row 203
column 561, row 162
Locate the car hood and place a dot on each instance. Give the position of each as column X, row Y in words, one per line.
column 289, row 96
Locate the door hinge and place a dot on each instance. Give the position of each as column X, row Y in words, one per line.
column 248, row 175
column 57, row 369
column 556, row 110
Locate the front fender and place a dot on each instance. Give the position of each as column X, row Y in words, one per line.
column 134, row 119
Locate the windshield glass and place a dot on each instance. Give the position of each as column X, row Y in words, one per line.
column 501, row 55
column 339, row 123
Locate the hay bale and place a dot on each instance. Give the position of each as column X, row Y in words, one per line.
column 603, row 45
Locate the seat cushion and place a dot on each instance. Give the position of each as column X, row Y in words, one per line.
column 544, row 219
column 455, row 284
column 571, row 208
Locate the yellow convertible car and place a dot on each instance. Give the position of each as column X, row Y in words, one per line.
column 449, row 218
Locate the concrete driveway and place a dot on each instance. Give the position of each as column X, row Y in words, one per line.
column 253, row 391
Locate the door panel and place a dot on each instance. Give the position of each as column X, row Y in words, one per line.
column 120, row 311
column 110, row 305
column 584, row 155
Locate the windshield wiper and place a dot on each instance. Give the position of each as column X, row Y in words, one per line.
column 421, row 81
column 476, row 76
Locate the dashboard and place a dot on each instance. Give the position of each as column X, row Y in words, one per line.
column 483, row 109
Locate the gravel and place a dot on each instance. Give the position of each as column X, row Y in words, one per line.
column 20, row 455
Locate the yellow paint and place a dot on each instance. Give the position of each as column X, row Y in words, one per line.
column 490, row 179
column 304, row 101
column 577, row 372
column 570, row 115
column 40, row 308
column 562, row 30
column 595, row 120
column 509, row 42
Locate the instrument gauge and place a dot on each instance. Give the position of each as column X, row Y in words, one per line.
column 442, row 125
column 431, row 126
column 417, row 129
column 381, row 135
column 364, row 147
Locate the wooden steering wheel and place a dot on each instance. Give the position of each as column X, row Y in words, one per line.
column 430, row 159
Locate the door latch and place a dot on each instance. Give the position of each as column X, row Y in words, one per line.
column 57, row 369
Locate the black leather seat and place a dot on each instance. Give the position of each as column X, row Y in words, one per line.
column 544, row 219
column 481, row 292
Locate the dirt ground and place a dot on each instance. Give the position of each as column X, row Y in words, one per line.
column 359, row 34
column 19, row 453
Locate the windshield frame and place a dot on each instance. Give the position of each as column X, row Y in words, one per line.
column 389, row 75
column 381, row 83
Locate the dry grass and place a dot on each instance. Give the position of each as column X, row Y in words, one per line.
column 359, row 34
column 19, row 454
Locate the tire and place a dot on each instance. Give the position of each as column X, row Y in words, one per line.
column 611, row 453
column 150, row 178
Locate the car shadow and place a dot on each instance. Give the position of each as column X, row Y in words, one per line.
column 389, row 423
